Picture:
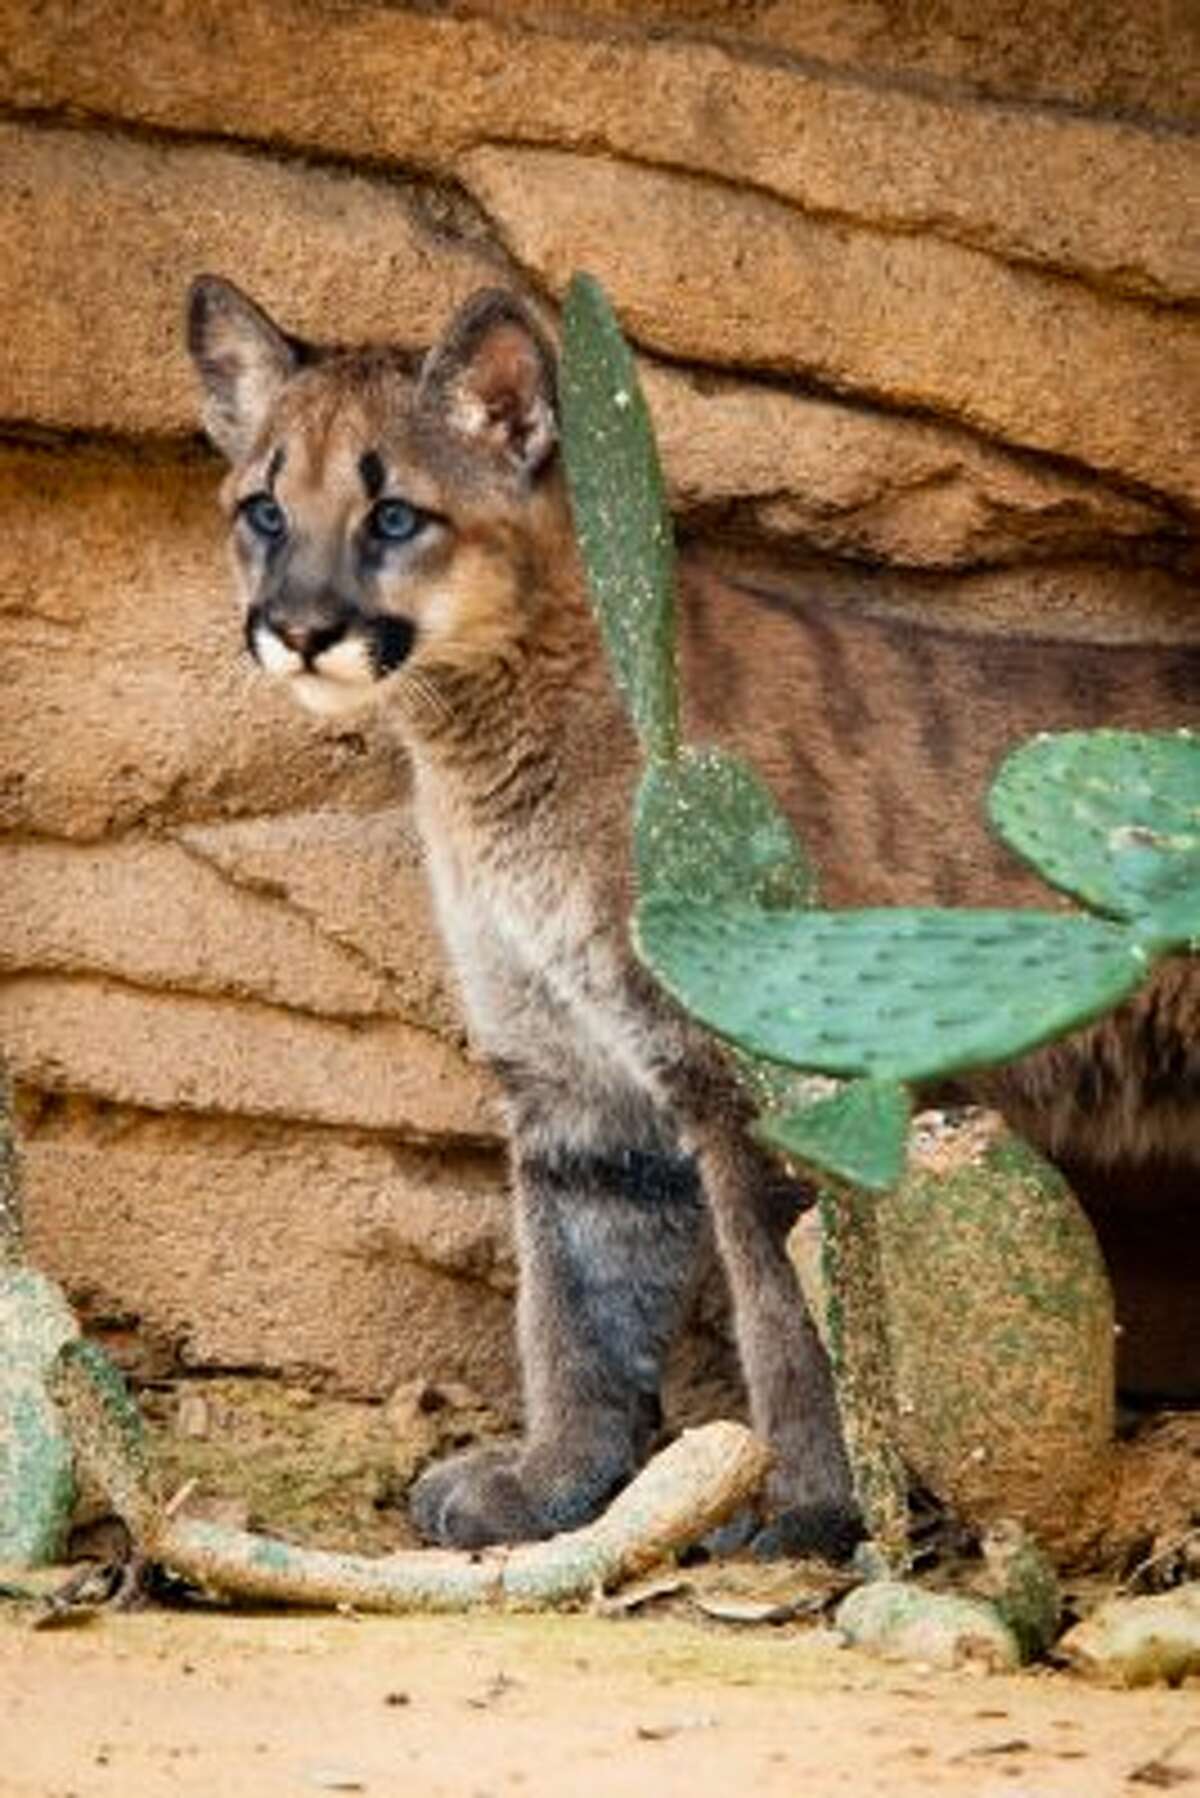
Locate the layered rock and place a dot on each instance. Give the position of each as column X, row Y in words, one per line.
column 345, row 1259
column 347, row 256
column 378, row 83
column 908, row 320
column 1120, row 55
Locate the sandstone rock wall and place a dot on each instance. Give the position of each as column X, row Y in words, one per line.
column 918, row 303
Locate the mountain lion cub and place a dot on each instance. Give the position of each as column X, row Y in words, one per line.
column 405, row 538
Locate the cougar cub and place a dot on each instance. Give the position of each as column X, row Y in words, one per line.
column 402, row 537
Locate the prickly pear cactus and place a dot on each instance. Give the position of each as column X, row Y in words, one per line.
column 621, row 517
column 860, row 1353
column 858, row 1132
column 706, row 829
column 37, row 1486
column 888, row 996
column 1112, row 817
column 984, row 1247
column 107, row 1432
column 724, row 920
column 891, row 995
column 37, row 1483
column 877, row 998
column 705, row 825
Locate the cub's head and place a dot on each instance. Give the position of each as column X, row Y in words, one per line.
column 383, row 517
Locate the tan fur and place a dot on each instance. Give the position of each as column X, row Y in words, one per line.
column 877, row 737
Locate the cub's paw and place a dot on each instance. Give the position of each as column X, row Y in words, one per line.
column 830, row 1532
column 823, row 1532
column 476, row 1499
column 518, row 1493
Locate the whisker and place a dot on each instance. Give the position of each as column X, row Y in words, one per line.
column 423, row 690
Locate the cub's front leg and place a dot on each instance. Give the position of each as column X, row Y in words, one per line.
column 607, row 1242
column 788, row 1377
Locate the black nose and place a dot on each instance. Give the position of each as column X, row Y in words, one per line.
column 308, row 635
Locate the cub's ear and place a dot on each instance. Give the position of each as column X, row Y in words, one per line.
column 243, row 360
column 491, row 381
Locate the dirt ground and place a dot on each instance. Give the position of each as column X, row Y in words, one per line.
column 658, row 1699
column 334, row 1472
column 240, row 1706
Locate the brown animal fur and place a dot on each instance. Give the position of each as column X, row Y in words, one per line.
column 472, row 632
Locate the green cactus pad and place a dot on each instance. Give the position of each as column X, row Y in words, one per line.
column 706, row 828
column 106, row 1431
column 1112, row 817
column 120, row 1410
column 619, row 505
column 858, row 1133
column 896, row 995
column 37, row 1481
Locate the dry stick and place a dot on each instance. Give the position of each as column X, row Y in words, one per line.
column 686, row 1491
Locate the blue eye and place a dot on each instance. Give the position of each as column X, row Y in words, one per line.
column 265, row 517
column 394, row 521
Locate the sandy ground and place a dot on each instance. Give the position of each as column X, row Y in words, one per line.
column 231, row 1705
column 239, row 1706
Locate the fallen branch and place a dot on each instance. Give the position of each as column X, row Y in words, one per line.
column 686, row 1491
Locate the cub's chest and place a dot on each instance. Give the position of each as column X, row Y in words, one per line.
column 508, row 901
